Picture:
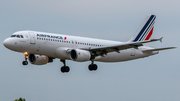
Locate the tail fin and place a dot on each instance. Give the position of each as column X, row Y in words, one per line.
column 145, row 31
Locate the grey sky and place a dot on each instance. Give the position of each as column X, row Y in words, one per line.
column 153, row 78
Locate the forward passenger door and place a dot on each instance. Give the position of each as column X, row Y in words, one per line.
column 32, row 38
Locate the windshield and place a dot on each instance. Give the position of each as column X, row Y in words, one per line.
column 18, row 36
column 13, row 35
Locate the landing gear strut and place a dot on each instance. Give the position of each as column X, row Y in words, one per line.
column 64, row 69
column 26, row 56
column 92, row 66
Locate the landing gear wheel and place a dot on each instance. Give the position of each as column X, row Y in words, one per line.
column 62, row 69
column 25, row 63
column 92, row 67
column 25, row 56
column 95, row 67
column 65, row 69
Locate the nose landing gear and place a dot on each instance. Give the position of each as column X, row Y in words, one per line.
column 26, row 56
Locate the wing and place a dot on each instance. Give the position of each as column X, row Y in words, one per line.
column 116, row 48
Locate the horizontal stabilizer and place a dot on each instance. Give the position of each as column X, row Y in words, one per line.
column 158, row 49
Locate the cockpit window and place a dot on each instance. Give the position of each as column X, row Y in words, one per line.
column 21, row 36
column 13, row 35
column 18, row 36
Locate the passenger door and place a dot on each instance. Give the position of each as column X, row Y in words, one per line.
column 32, row 38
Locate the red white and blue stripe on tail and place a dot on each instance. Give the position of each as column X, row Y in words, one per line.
column 146, row 29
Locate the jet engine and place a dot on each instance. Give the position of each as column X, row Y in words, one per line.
column 80, row 55
column 38, row 59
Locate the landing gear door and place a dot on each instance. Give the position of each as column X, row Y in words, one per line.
column 32, row 38
column 132, row 52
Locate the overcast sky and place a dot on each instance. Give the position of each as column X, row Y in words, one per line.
column 155, row 78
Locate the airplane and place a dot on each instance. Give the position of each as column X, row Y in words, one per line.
column 41, row 48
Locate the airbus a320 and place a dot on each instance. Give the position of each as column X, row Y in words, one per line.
column 41, row 48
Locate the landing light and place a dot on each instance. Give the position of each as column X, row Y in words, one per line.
column 25, row 53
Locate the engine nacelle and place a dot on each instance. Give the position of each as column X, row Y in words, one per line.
column 80, row 55
column 38, row 59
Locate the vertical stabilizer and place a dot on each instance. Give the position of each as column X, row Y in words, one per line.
column 145, row 31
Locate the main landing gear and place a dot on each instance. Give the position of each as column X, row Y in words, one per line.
column 92, row 66
column 64, row 69
column 26, row 56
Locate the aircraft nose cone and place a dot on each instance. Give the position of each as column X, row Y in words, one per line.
column 7, row 43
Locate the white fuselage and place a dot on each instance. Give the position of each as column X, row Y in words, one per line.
column 47, row 44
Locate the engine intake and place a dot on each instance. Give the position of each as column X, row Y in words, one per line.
column 80, row 55
column 38, row 59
